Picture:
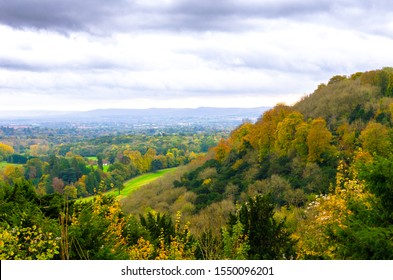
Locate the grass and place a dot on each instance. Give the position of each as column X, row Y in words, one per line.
column 95, row 166
column 105, row 167
column 3, row 164
column 134, row 184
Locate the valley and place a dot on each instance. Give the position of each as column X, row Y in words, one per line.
column 308, row 181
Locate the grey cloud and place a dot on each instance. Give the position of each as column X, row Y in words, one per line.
column 103, row 16
column 97, row 63
column 55, row 15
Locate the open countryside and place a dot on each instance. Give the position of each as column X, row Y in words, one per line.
column 308, row 181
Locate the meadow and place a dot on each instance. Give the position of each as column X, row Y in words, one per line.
column 134, row 184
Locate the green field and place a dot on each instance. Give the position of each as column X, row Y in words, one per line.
column 92, row 158
column 3, row 164
column 105, row 167
column 135, row 183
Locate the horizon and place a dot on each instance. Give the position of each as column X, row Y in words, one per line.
column 4, row 115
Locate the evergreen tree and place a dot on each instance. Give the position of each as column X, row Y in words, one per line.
column 267, row 237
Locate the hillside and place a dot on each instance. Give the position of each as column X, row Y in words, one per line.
column 360, row 97
column 295, row 155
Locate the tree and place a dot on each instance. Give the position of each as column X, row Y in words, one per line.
column 375, row 139
column 267, row 237
column 100, row 162
column 236, row 245
column 346, row 138
column 262, row 136
column 5, row 151
column 35, row 168
column 286, row 133
column 156, row 164
column 222, row 150
column 13, row 172
column 38, row 150
column 58, row 185
column 299, row 143
column 336, row 79
column 240, row 137
column 319, row 141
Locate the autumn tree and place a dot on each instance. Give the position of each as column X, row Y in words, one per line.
column 286, row 133
column 263, row 133
column 346, row 139
column 299, row 143
column 5, row 151
column 39, row 150
column 240, row 137
column 319, row 142
column 13, row 172
column 375, row 139
column 222, row 150
column 58, row 185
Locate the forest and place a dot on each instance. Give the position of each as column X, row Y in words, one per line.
column 308, row 181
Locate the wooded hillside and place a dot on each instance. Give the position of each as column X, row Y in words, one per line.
column 309, row 181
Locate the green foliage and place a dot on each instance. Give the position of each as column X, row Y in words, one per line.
column 267, row 237
column 158, row 226
column 96, row 230
column 27, row 243
column 236, row 245
column 375, row 139
column 19, row 204
column 26, row 228
column 360, row 241
column 379, row 180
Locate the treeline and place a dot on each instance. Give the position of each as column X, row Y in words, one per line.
column 86, row 141
column 81, row 169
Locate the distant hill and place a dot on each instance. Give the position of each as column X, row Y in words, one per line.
column 179, row 112
column 174, row 112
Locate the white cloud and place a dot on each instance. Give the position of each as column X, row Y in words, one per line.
column 270, row 58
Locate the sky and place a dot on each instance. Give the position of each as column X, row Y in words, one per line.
column 74, row 55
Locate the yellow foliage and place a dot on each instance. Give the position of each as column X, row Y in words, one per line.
column 28, row 243
column 222, row 150
column 143, row 250
column 179, row 247
column 286, row 132
column 237, row 164
column 375, row 139
column 327, row 214
column 5, row 150
column 207, row 181
column 12, row 172
column 319, row 141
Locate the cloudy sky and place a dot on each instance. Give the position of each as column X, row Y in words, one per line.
column 89, row 54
